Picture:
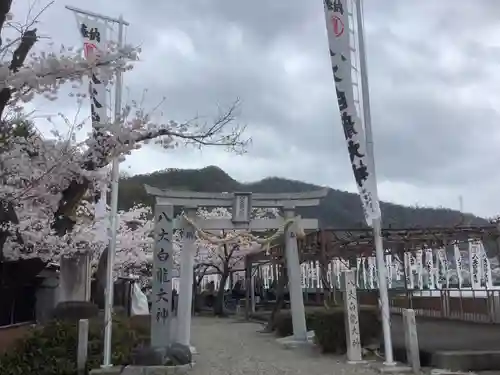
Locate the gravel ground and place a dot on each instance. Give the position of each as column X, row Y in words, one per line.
column 228, row 347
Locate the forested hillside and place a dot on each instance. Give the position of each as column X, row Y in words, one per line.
column 339, row 209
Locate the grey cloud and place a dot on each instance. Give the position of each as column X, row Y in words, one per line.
column 430, row 72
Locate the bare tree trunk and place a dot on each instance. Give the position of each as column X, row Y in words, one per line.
column 219, row 300
column 196, row 291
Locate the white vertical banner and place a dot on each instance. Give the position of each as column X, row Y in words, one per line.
column 313, row 274
column 388, row 266
column 458, row 264
column 365, row 277
column 420, row 268
column 475, row 265
column 336, row 270
column 306, row 271
column 487, row 277
column 329, row 274
column 303, row 276
column 318, row 276
column 371, row 272
column 398, row 265
column 409, row 267
column 93, row 33
column 429, row 266
column 338, row 30
column 442, row 274
column 358, row 273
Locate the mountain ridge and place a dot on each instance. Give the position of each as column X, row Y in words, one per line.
column 339, row 209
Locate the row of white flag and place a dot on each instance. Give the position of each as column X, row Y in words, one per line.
column 422, row 269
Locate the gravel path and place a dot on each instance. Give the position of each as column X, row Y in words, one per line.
column 228, row 347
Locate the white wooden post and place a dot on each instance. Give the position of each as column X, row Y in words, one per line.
column 411, row 340
column 82, row 349
column 353, row 337
column 161, row 309
column 293, row 265
column 252, row 291
column 186, row 282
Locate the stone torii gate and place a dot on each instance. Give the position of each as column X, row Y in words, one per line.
column 242, row 204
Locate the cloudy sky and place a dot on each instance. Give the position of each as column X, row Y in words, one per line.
column 434, row 83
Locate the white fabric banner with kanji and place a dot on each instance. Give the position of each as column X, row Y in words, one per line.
column 93, row 33
column 338, row 30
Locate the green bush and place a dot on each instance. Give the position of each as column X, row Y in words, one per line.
column 330, row 334
column 283, row 320
column 329, row 327
column 51, row 349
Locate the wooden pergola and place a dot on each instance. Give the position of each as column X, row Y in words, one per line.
column 329, row 243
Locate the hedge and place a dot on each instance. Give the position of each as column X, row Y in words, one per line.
column 51, row 349
column 329, row 327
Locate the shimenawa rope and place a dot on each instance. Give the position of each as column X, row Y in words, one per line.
column 245, row 237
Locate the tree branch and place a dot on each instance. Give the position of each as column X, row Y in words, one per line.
column 209, row 265
column 28, row 40
column 4, row 9
column 204, row 135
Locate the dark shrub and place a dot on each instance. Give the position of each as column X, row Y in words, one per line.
column 329, row 329
column 283, row 321
column 51, row 349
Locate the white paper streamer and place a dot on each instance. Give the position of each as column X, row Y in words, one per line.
column 398, row 266
column 429, row 266
column 388, row 266
column 303, row 275
column 371, row 272
column 419, row 269
column 366, row 284
column 458, row 265
column 410, row 266
column 488, row 280
column 336, row 267
column 358, row 273
column 442, row 268
column 475, row 265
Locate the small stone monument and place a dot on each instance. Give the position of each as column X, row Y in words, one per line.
column 353, row 337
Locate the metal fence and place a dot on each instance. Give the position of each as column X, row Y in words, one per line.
column 476, row 306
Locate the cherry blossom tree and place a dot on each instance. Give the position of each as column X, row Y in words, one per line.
column 44, row 183
column 225, row 251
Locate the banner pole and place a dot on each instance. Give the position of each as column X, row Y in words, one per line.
column 115, row 171
column 115, row 175
column 376, row 222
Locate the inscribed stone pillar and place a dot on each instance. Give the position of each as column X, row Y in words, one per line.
column 161, row 295
column 353, row 337
column 74, row 278
column 411, row 340
column 188, row 251
column 82, row 349
column 294, row 277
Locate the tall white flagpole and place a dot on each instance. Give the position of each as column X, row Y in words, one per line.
column 115, row 172
column 115, row 175
column 376, row 222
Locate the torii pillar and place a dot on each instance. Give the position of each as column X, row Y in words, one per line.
column 241, row 204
